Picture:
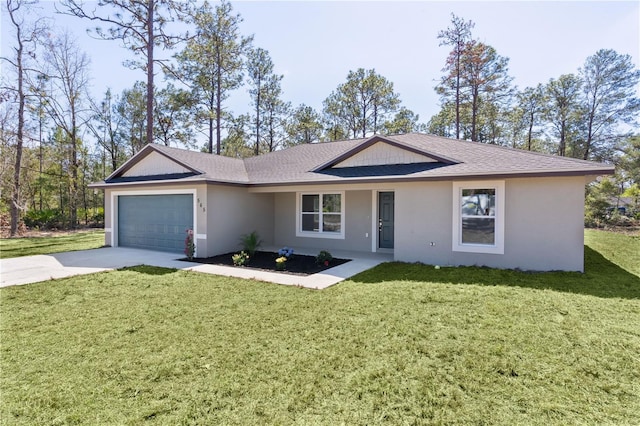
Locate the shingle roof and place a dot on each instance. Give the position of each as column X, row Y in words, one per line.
column 304, row 163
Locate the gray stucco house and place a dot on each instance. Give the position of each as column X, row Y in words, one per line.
column 421, row 197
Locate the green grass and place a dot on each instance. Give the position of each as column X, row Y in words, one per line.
column 400, row 344
column 16, row 247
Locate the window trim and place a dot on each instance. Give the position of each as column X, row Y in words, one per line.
column 320, row 234
column 498, row 246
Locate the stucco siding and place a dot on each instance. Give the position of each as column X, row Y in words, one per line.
column 357, row 210
column 543, row 225
column 422, row 217
column 233, row 212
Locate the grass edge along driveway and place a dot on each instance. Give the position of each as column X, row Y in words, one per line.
column 397, row 344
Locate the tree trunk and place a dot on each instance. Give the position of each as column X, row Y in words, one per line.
column 529, row 135
column 150, row 45
column 218, row 102
column 15, row 196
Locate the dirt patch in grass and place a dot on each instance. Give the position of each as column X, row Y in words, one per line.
column 265, row 260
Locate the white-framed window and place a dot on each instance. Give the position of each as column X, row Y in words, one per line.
column 478, row 217
column 320, row 214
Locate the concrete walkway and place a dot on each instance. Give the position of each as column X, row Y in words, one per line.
column 31, row 269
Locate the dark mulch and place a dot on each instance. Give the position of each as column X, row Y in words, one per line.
column 297, row 264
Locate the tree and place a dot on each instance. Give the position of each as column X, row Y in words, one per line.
column 304, row 126
column 172, row 116
column 363, row 103
column 609, row 88
column 531, row 103
column 405, row 121
column 484, row 76
column 68, row 75
column 561, row 110
column 444, row 122
column 131, row 108
column 234, row 144
column 26, row 37
column 457, row 35
column 106, row 126
column 211, row 64
column 265, row 91
column 141, row 25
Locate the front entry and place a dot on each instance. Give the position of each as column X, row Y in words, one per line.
column 385, row 219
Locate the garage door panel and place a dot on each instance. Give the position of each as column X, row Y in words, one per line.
column 155, row 222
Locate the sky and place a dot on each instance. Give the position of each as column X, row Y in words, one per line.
column 315, row 44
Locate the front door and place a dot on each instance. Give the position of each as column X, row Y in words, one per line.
column 385, row 219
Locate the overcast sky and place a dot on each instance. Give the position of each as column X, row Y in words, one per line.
column 315, row 44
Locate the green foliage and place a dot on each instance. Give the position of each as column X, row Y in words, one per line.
column 44, row 219
column 212, row 60
column 400, row 344
column 362, row 104
column 16, row 247
column 324, row 256
column 240, row 259
column 304, row 126
column 250, row 242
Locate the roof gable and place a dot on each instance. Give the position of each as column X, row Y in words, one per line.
column 379, row 151
column 155, row 164
column 151, row 161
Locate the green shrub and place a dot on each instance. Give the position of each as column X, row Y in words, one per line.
column 43, row 219
column 324, row 257
column 250, row 243
column 240, row 259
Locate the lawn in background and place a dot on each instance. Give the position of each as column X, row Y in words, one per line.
column 399, row 344
column 29, row 246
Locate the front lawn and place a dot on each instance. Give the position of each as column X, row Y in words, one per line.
column 400, row 344
column 16, row 247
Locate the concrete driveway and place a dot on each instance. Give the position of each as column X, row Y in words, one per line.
column 32, row 269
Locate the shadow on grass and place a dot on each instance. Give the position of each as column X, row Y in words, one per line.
column 149, row 270
column 602, row 278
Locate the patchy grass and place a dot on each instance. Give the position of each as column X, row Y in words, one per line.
column 16, row 247
column 401, row 344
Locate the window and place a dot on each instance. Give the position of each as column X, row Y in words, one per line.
column 478, row 223
column 321, row 214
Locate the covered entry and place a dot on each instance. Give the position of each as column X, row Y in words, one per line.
column 156, row 222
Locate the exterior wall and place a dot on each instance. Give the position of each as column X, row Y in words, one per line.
column 357, row 210
column 200, row 221
column 232, row 212
column 543, row 225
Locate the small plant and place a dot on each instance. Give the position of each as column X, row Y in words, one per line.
column 323, row 258
column 286, row 252
column 250, row 242
column 240, row 259
column 281, row 263
column 189, row 245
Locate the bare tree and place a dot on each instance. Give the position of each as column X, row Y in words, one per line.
column 26, row 36
column 69, row 78
column 141, row 25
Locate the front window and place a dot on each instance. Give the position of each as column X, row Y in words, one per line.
column 321, row 214
column 479, row 217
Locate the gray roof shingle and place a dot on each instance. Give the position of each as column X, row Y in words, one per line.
column 459, row 160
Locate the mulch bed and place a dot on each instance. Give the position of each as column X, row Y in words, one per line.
column 297, row 264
